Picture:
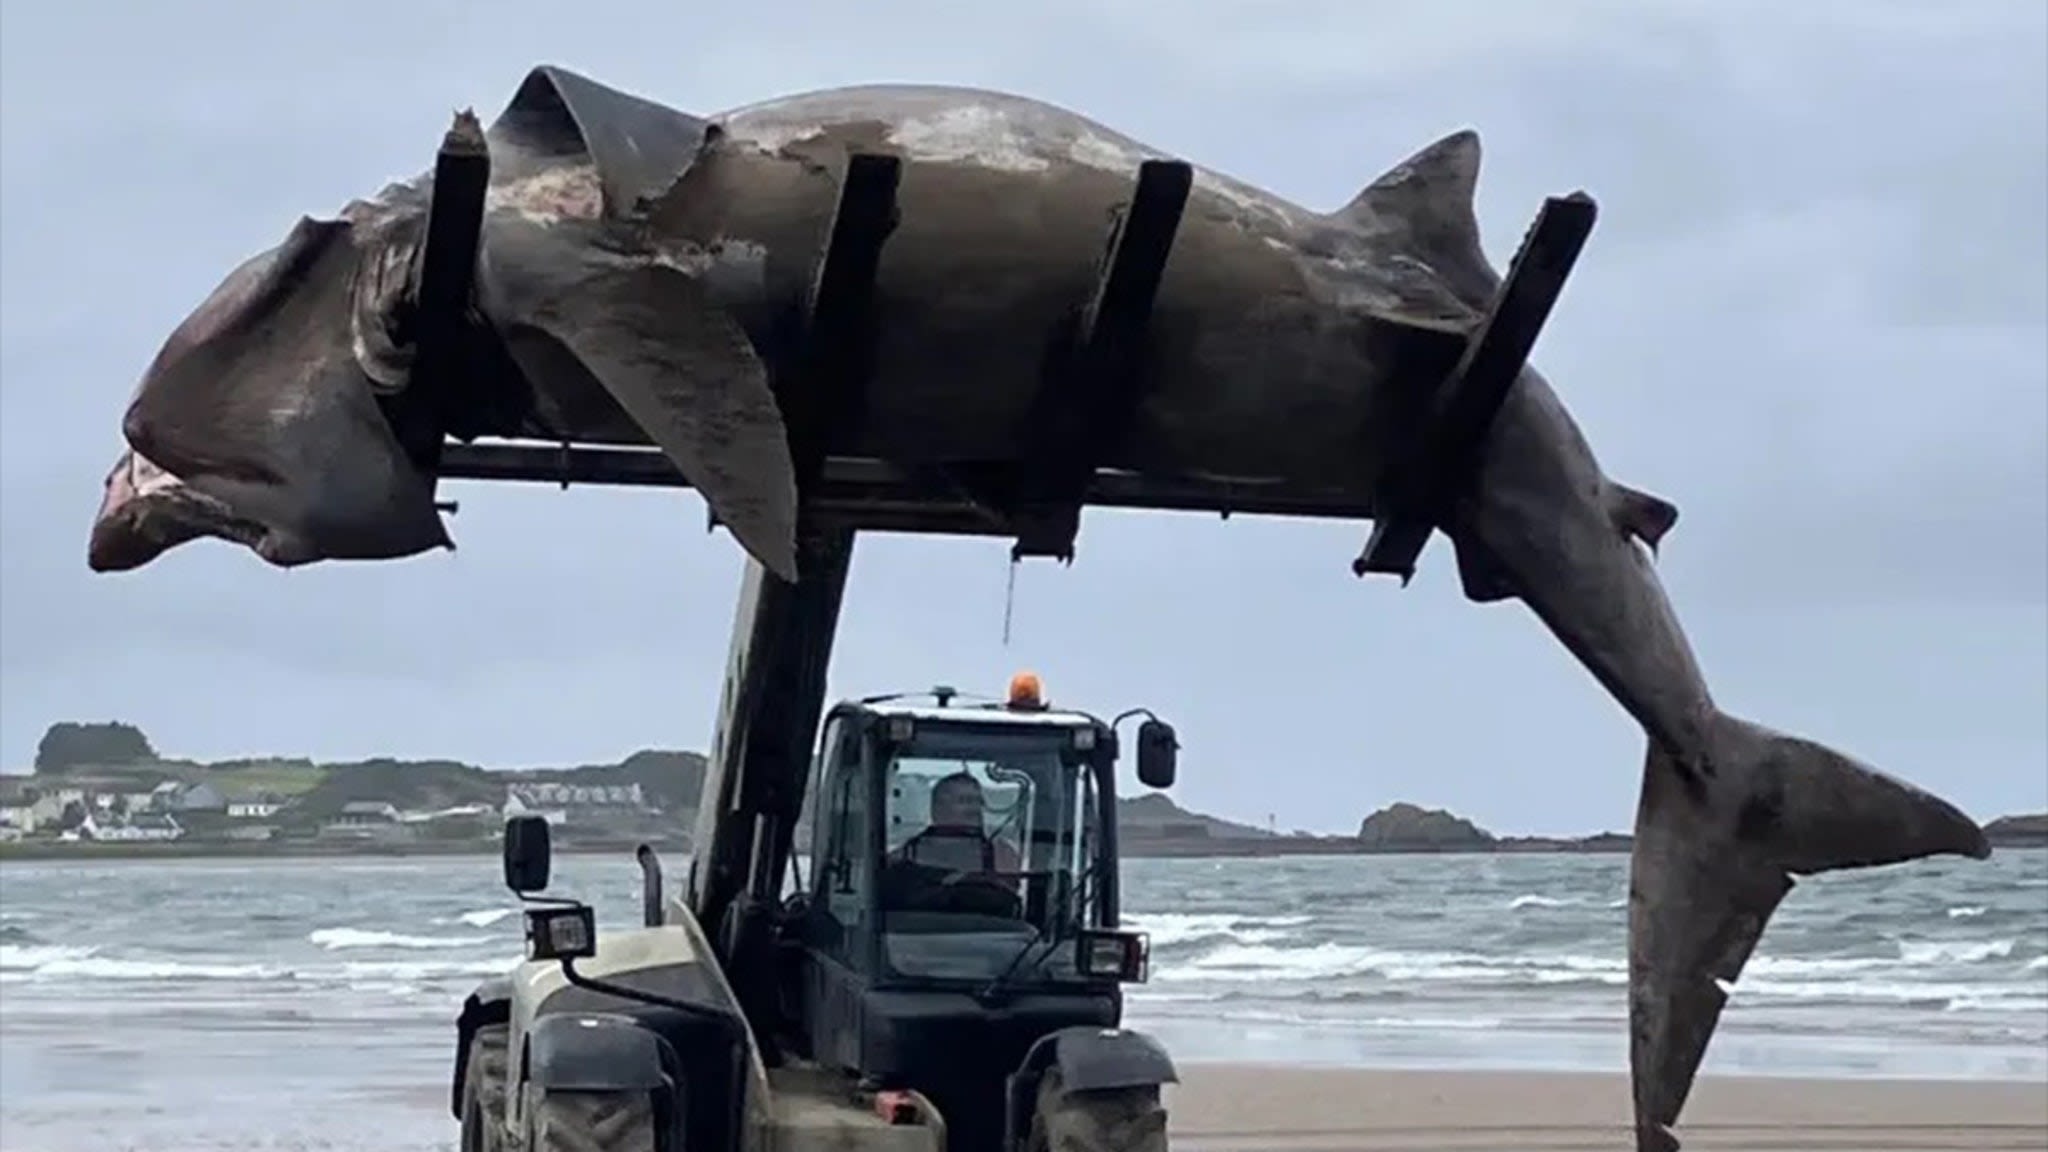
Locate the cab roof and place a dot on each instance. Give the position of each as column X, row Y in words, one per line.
column 974, row 713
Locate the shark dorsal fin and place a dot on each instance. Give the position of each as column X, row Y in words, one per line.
column 1429, row 192
column 1423, row 208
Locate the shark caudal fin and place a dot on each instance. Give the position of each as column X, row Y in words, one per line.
column 1715, row 851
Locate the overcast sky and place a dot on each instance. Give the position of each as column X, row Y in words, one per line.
column 1814, row 314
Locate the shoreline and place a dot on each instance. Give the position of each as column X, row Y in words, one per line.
column 43, row 851
column 1253, row 1107
column 228, row 850
column 1214, row 1108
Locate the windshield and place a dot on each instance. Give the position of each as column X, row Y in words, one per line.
column 988, row 843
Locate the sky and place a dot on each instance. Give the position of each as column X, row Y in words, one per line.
column 1814, row 314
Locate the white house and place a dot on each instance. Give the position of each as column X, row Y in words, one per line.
column 581, row 804
column 145, row 827
column 520, row 803
column 200, row 797
column 257, row 808
column 366, row 820
column 456, row 813
column 367, row 812
column 50, row 806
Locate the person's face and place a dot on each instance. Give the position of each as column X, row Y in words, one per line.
column 956, row 806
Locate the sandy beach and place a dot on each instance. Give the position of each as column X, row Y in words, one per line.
column 1246, row 1108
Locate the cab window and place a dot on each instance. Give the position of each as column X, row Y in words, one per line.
column 842, row 861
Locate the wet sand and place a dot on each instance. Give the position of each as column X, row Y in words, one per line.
column 1248, row 1108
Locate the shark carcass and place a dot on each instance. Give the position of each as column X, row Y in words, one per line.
column 631, row 275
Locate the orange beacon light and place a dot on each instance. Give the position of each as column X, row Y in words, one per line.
column 1026, row 692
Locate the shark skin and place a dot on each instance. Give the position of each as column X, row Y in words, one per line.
column 638, row 265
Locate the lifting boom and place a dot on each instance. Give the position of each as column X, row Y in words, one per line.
column 774, row 687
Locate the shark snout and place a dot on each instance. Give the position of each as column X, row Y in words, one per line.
column 145, row 511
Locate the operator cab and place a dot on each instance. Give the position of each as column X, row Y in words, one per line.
column 963, row 891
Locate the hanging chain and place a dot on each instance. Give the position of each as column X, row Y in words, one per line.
column 1009, row 601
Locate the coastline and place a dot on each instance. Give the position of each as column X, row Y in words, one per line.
column 1139, row 848
column 1260, row 1107
column 45, row 852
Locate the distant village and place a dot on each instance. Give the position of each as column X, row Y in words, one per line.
column 104, row 784
column 68, row 811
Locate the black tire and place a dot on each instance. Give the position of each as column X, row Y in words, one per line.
column 589, row 1121
column 483, row 1091
column 1110, row 1120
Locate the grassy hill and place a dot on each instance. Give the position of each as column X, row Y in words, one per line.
column 116, row 757
column 1154, row 814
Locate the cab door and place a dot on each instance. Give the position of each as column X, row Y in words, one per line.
column 839, row 916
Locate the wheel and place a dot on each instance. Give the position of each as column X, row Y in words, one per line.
column 483, row 1091
column 1109, row 1120
column 589, row 1121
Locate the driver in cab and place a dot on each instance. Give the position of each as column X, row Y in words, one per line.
column 955, row 845
column 957, row 838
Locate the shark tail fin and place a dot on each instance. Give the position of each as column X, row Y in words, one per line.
column 1716, row 847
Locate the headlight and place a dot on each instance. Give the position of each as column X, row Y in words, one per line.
column 559, row 933
column 1121, row 956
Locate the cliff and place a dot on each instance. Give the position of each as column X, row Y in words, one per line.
column 1154, row 816
column 2026, row 831
column 1411, row 828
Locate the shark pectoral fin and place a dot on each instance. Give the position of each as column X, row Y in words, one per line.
column 686, row 373
column 1714, row 854
column 637, row 148
column 1484, row 580
column 1639, row 514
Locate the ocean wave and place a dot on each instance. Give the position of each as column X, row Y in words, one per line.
column 1931, row 953
column 485, row 917
column 30, row 957
column 1179, row 929
column 45, row 964
column 405, row 972
column 1307, row 972
column 1538, row 900
column 337, row 939
column 1255, row 1012
column 1966, row 911
column 2027, row 1000
column 1256, row 962
column 88, row 964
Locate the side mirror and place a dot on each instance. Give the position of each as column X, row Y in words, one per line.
column 1158, row 754
column 528, row 854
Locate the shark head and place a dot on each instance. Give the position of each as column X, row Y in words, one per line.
column 282, row 413
column 259, row 420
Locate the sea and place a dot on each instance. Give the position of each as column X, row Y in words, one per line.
column 308, row 1004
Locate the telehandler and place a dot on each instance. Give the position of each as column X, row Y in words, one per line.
column 944, row 976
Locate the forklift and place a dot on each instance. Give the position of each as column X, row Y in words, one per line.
column 945, row 975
